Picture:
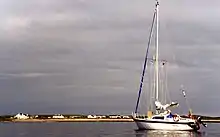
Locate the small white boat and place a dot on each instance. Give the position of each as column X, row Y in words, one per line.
column 161, row 117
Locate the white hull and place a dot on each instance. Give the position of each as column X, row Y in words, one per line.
column 163, row 126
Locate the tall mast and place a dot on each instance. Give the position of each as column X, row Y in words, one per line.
column 157, row 50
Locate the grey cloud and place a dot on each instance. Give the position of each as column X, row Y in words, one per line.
column 65, row 55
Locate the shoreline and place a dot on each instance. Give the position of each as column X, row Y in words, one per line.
column 69, row 120
column 81, row 120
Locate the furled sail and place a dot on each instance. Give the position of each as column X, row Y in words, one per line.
column 159, row 106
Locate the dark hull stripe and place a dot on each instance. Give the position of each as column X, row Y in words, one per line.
column 149, row 121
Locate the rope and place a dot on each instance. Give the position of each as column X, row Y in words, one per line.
column 163, row 96
column 151, row 88
column 145, row 62
column 166, row 84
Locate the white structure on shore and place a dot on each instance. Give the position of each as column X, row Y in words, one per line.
column 96, row 116
column 58, row 116
column 21, row 116
column 91, row 116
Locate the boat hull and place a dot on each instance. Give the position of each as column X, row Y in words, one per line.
column 174, row 126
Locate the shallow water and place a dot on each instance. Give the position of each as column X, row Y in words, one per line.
column 96, row 129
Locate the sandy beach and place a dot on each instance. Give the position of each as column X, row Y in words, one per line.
column 87, row 120
column 72, row 120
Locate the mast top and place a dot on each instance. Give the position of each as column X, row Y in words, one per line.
column 157, row 2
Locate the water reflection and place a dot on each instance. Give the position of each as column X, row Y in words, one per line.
column 159, row 133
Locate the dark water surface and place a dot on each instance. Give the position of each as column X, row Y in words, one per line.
column 96, row 129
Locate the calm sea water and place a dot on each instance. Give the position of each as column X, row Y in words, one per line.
column 95, row 129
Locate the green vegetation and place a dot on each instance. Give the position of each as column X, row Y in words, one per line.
column 6, row 118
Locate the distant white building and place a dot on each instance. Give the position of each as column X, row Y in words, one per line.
column 101, row 116
column 126, row 117
column 114, row 116
column 21, row 116
column 91, row 116
column 58, row 116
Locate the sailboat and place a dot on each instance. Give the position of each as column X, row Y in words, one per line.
column 161, row 118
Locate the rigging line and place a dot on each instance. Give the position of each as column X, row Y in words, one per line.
column 154, row 86
column 187, row 102
column 145, row 62
column 150, row 105
column 162, row 84
column 149, row 89
column 166, row 82
column 146, row 94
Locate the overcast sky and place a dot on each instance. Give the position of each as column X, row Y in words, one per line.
column 85, row 56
